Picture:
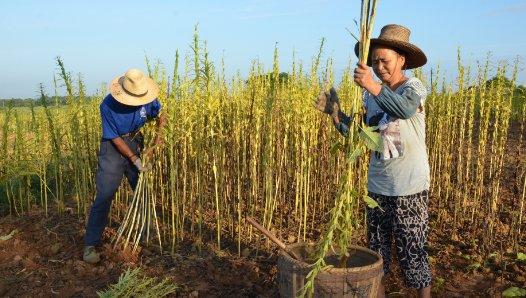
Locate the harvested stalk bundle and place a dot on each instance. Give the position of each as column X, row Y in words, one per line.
column 134, row 283
column 141, row 215
column 341, row 224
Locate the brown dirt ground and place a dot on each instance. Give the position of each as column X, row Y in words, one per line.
column 44, row 259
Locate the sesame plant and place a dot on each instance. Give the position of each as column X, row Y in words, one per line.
column 250, row 144
column 342, row 223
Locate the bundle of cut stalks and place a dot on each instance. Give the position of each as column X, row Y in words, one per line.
column 141, row 215
column 341, row 224
column 134, row 283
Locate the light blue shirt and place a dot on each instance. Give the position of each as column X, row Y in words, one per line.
column 402, row 166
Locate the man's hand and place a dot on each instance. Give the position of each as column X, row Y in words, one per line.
column 364, row 78
column 123, row 148
column 138, row 164
column 328, row 103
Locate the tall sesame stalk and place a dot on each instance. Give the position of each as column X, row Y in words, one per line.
column 342, row 222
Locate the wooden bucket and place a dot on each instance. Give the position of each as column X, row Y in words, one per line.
column 361, row 279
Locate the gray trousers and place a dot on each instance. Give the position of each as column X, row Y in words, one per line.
column 112, row 167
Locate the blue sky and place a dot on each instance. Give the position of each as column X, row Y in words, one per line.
column 101, row 39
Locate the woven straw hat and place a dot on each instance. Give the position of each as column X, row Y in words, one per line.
column 397, row 37
column 134, row 88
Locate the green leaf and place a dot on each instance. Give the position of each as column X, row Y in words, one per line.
column 439, row 282
column 521, row 256
column 354, row 155
column 514, row 292
column 371, row 203
column 372, row 139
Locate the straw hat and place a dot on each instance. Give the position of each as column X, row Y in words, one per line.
column 397, row 37
column 134, row 88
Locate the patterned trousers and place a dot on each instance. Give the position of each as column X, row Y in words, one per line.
column 405, row 219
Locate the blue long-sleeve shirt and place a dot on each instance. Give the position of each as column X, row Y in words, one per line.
column 399, row 106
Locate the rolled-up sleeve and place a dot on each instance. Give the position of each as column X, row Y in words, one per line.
column 405, row 105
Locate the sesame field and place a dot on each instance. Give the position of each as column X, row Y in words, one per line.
column 255, row 146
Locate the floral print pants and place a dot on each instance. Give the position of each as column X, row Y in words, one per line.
column 405, row 219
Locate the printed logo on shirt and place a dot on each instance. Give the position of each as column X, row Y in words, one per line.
column 142, row 112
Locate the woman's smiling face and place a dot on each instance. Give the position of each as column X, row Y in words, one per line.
column 387, row 64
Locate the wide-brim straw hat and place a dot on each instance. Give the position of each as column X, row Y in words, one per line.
column 134, row 88
column 397, row 37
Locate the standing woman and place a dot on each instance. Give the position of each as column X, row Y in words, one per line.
column 132, row 101
column 398, row 177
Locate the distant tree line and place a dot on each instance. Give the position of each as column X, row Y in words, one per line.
column 35, row 102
